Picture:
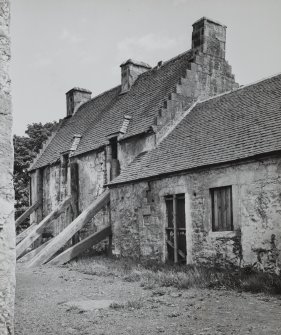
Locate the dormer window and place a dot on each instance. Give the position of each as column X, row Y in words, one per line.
column 75, row 142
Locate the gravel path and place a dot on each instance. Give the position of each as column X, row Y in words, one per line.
column 59, row 301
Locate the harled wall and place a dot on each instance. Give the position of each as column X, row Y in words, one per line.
column 7, row 228
column 56, row 187
column 139, row 216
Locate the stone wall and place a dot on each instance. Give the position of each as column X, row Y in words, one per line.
column 139, row 216
column 132, row 147
column 55, row 190
column 7, row 228
column 92, row 169
column 92, row 174
column 56, row 187
column 92, row 177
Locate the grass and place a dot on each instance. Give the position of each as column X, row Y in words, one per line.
column 152, row 275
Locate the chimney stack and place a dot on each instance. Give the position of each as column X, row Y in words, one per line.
column 75, row 98
column 209, row 37
column 130, row 70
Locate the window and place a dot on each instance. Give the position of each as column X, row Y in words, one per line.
column 115, row 166
column 175, row 230
column 64, row 166
column 114, row 148
column 222, row 218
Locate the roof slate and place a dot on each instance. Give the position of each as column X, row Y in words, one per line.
column 233, row 126
column 142, row 103
column 104, row 115
column 88, row 113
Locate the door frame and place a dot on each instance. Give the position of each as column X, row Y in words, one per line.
column 177, row 189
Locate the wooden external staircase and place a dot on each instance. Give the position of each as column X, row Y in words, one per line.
column 45, row 252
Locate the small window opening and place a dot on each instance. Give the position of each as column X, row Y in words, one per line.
column 64, row 166
column 114, row 148
column 115, row 166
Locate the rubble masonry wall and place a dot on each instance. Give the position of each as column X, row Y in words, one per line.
column 7, row 227
column 139, row 216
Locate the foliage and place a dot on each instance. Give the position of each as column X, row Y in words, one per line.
column 25, row 150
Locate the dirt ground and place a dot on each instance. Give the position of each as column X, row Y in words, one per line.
column 60, row 301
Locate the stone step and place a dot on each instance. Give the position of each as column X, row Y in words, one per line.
column 173, row 103
column 178, row 100
column 177, row 97
column 183, row 81
column 184, row 89
column 162, row 111
column 190, row 77
column 163, row 117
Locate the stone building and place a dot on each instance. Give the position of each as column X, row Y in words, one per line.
column 219, row 173
column 191, row 160
column 7, row 228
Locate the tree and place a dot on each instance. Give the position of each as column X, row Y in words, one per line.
column 26, row 149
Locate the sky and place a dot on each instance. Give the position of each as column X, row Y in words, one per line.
column 61, row 44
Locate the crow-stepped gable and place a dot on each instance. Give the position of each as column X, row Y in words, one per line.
column 177, row 163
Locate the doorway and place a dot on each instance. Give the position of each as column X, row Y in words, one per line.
column 176, row 228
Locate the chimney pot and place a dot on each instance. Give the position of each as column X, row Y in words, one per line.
column 75, row 98
column 209, row 37
column 130, row 70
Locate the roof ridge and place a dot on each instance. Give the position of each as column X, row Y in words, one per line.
column 175, row 57
column 240, row 88
column 98, row 96
column 156, row 68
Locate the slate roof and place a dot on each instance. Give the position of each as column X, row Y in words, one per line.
column 104, row 114
column 233, row 126
column 88, row 113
